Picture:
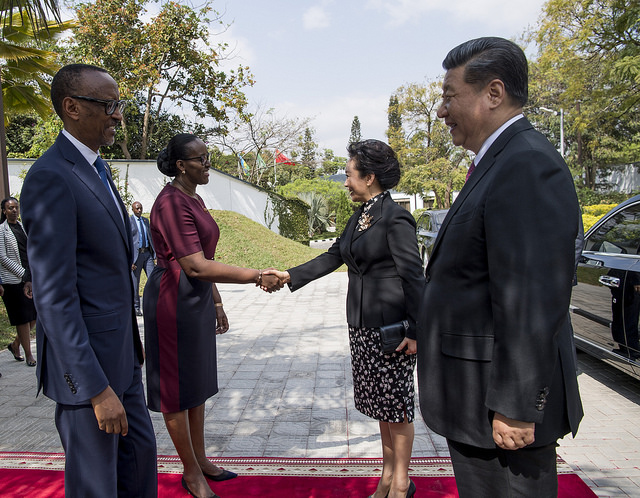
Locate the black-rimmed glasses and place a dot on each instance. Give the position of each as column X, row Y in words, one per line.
column 205, row 158
column 110, row 106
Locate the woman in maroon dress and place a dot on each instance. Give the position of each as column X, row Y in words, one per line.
column 183, row 309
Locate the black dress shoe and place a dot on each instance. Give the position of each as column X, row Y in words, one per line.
column 184, row 485
column 412, row 489
column 16, row 356
column 224, row 476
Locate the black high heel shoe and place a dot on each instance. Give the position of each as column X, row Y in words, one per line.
column 186, row 487
column 225, row 475
column 412, row 489
column 16, row 356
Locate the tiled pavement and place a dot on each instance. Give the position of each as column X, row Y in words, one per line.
column 286, row 391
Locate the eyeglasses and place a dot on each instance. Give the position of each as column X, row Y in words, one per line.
column 110, row 106
column 203, row 158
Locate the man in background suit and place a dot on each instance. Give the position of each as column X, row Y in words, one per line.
column 143, row 252
column 80, row 251
column 495, row 365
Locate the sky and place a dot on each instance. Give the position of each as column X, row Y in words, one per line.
column 331, row 60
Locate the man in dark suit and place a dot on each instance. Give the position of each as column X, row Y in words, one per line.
column 495, row 365
column 143, row 251
column 80, row 252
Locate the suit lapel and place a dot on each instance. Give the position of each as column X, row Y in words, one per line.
column 481, row 170
column 347, row 238
column 375, row 212
column 86, row 174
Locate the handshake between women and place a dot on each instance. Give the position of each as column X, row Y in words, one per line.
column 273, row 280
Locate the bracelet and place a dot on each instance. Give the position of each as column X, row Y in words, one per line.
column 259, row 280
column 219, row 305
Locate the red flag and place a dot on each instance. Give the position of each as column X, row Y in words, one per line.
column 282, row 159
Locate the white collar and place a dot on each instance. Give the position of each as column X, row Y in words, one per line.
column 86, row 152
column 493, row 137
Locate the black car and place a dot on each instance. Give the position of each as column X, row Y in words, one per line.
column 427, row 228
column 605, row 304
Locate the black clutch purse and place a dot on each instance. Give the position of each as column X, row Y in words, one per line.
column 392, row 335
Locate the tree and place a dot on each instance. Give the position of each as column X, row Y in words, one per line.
column 338, row 203
column 588, row 64
column 318, row 212
column 308, row 151
column 20, row 135
column 160, row 62
column 394, row 117
column 34, row 14
column 27, row 66
column 331, row 163
column 262, row 132
column 431, row 162
column 355, row 130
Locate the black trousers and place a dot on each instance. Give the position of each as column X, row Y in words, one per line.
column 498, row 473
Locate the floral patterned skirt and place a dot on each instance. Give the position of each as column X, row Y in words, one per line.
column 382, row 383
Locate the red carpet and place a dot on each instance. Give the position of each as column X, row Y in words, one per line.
column 39, row 475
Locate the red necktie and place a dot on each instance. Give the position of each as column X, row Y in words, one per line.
column 471, row 168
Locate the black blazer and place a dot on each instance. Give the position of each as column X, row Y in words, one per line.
column 493, row 333
column 385, row 271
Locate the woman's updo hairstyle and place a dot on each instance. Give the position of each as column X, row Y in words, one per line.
column 175, row 150
column 376, row 157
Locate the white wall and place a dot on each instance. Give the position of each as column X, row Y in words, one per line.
column 223, row 191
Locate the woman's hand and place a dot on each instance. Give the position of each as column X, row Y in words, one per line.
column 222, row 322
column 410, row 344
column 28, row 290
column 283, row 276
column 270, row 281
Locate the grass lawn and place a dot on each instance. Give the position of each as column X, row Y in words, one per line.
column 243, row 242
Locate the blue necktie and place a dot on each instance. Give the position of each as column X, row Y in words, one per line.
column 102, row 171
column 143, row 234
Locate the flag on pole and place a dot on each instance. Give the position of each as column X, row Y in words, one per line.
column 282, row 159
column 243, row 165
column 260, row 163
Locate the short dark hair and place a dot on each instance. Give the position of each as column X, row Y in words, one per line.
column 2, row 204
column 68, row 82
column 376, row 157
column 489, row 58
column 175, row 150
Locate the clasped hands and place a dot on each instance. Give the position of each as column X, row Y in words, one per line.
column 273, row 280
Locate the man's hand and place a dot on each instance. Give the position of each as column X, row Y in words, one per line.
column 110, row 413
column 511, row 434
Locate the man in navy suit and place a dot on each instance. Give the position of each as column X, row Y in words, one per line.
column 80, row 252
column 143, row 252
column 496, row 367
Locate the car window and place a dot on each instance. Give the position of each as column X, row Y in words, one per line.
column 620, row 234
column 440, row 217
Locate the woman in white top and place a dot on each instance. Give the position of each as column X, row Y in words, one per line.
column 16, row 279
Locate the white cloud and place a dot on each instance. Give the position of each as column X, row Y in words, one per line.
column 316, row 18
column 488, row 13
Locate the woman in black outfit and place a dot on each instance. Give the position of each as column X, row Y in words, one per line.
column 380, row 249
column 16, row 279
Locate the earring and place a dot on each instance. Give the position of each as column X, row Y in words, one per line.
column 183, row 172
